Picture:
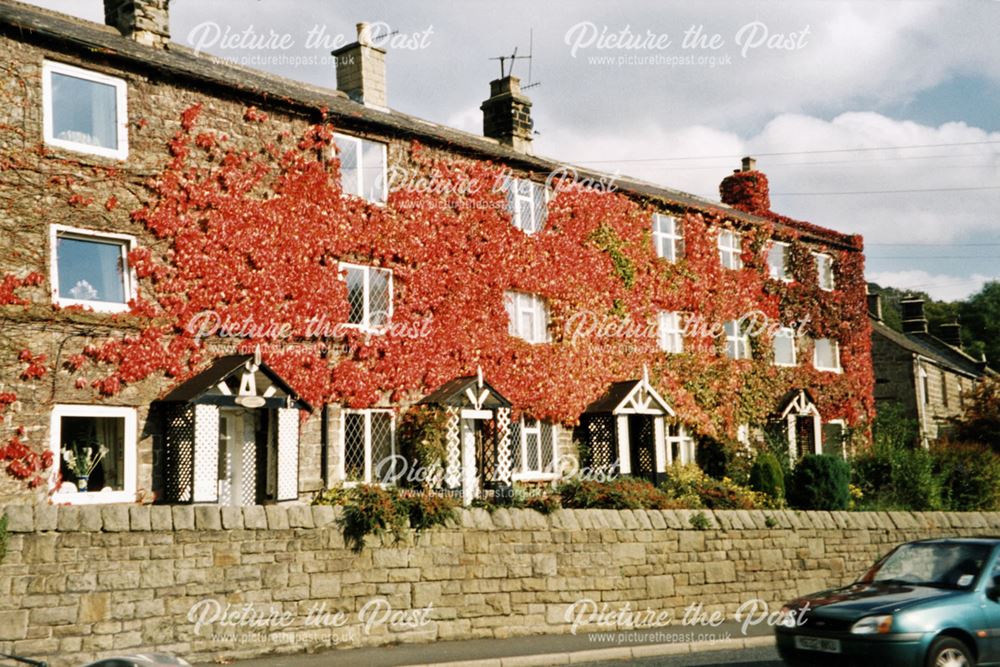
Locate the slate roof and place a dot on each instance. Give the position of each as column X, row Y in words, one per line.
column 183, row 65
column 935, row 349
column 453, row 393
column 221, row 368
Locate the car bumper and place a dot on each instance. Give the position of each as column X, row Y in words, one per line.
column 858, row 651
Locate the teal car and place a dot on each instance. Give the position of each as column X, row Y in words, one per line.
column 932, row 603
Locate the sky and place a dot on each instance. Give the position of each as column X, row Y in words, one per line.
column 876, row 117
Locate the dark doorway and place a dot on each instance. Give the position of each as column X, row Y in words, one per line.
column 642, row 442
column 805, row 436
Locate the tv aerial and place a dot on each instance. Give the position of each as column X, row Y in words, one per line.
column 507, row 62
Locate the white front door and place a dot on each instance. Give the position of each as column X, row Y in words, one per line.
column 237, row 446
column 470, row 476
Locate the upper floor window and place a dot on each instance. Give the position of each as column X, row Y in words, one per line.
column 668, row 237
column 94, row 453
column 368, row 447
column 369, row 296
column 777, row 261
column 362, row 167
column 824, row 271
column 784, row 347
column 681, row 447
column 826, row 355
column 730, row 251
column 90, row 269
column 737, row 340
column 534, row 443
column 84, row 111
column 527, row 203
column 671, row 332
column 529, row 316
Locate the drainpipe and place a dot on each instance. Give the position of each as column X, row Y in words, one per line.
column 324, row 450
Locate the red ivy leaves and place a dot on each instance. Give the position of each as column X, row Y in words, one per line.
column 10, row 283
column 36, row 365
column 24, row 463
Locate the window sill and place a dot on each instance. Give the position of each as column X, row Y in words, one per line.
column 829, row 370
column 93, row 498
column 785, row 365
column 95, row 306
column 118, row 154
column 534, row 476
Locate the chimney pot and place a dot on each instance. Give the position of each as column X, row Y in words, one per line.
column 145, row 21
column 749, row 164
column 361, row 69
column 913, row 315
column 875, row 306
column 951, row 333
column 507, row 114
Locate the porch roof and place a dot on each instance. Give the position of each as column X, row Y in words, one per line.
column 222, row 368
column 456, row 392
column 614, row 400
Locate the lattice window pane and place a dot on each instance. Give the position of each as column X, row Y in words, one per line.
column 380, row 297
column 548, row 446
column 349, row 164
column 517, row 456
column 531, row 450
column 540, row 206
column 383, row 464
column 373, row 175
column 354, row 447
column 356, row 295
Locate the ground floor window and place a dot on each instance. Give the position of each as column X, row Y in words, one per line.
column 534, row 444
column 94, row 449
column 680, row 446
column 368, row 447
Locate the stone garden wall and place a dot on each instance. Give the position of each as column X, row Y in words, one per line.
column 81, row 582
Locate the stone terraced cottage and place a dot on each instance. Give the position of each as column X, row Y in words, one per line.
column 132, row 211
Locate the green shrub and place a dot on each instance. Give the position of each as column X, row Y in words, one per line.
column 335, row 495
column 543, row 504
column 692, row 488
column 820, row 482
column 767, row 477
column 371, row 510
column 915, row 486
column 623, row 493
column 699, row 521
column 969, row 475
column 423, row 438
column 426, row 510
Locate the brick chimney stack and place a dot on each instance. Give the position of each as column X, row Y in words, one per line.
column 875, row 305
column 145, row 21
column 507, row 114
column 747, row 189
column 951, row 333
column 361, row 70
column 913, row 315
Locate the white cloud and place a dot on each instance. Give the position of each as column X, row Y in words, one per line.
column 940, row 286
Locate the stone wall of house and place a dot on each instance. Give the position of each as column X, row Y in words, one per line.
column 894, row 383
column 80, row 582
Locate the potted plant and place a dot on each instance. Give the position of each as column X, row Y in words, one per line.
column 81, row 459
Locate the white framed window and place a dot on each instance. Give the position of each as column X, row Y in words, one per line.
column 84, row 111
column 737, row 340
column 363, row 167
column 668, row 237
column 88, row 268
column 824, row 271
column 527, row 203
column 730, row 249
column 784, row 347
column 826, row 355
column 94, row 454
column 528, row 315
column 777, row 261
column 671, row 332
column 681, row 447
column 535, row 444
column 369, row 296
column 368, row 447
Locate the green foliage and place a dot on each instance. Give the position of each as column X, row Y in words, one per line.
column 969, row 476
column 699, row 521
column 373, row 510
column 724, row 460
column 820, row 482
column 546, row 504
column 423, row 436
column 980, row 317
column 335, row 495
column 767, row 477
column 426, row 510
column 980, row 421
column 770, row 521
column 3, row 537
column 605, row 238
column 623, row 493
column 690, row 487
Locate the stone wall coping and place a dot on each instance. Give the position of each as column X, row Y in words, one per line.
column 297, row 516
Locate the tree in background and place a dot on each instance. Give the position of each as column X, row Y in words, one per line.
column 980, row 422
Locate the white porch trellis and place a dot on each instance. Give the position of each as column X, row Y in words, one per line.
column 797, row 407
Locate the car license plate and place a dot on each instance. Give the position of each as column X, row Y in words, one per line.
column 821, row 644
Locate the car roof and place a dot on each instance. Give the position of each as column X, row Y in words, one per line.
column 982, row 539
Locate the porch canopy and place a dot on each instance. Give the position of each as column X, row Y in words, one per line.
column 623, row 430
column 231, row 435
column 479, row 453
column 798, row 419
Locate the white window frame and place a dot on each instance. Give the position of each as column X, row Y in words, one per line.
column 522, row 303
column 524, row 475
column 820, row 257
column 121, row 110
column 786, row 332
column 367, row 414
column 734, row 250
column 836, row 355
column 360, row 184
column 687, row 446
column 514, row 199
column 673, row 237
column 779, row 273
column 671, row 331
column 127, row 243
column 740, row 339
column 129, row 460
column 366, row 324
